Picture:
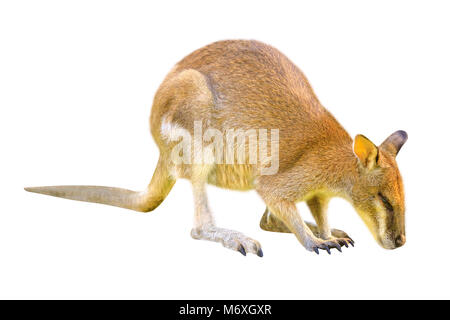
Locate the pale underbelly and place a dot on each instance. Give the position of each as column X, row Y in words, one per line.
column 235, row 177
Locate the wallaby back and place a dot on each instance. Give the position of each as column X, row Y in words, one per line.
column 253, row 85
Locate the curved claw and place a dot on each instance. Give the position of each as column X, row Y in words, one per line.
column 259, row 253
column 335, row 244
column 316, row 250
column 328, row 249
column 343, row 243
column 242, row 250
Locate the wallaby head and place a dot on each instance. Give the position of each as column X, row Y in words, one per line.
column 377, row 193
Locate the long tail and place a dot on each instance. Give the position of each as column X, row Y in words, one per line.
column 105, row 195
column 145, row 201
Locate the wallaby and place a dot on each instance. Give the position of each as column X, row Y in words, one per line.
column 245, row 85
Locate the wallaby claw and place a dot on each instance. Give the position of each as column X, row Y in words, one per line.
column 343, row 237
column 242, row 250
column 343, row 243
column 327, row 245
column 347, row 241
column 259, row 253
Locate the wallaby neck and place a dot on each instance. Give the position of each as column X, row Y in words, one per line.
column 340, row 171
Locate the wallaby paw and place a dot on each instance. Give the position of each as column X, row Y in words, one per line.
column 339, row 234
column 230, row 239
column 329, row 244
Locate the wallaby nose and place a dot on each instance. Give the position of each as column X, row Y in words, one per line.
column 400, row 240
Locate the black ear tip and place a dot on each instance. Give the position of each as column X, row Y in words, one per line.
column 403, row 134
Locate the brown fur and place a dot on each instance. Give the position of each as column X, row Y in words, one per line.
column 250, row 85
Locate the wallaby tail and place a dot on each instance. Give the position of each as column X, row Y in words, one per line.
column 145, row 201
column 105, row 195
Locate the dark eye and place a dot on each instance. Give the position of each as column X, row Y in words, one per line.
column 386, row 202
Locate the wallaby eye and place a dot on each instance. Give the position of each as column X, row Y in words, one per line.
column 386, row 202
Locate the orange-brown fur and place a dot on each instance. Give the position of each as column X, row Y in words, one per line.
column 250, row 85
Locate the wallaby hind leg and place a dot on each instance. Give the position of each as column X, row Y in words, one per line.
column 204, row 225
column 271, row 223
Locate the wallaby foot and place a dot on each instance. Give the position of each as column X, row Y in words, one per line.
column 230, row 239
column 271, row 223
column 339, row 234
column 328, row 244
column 204, row 225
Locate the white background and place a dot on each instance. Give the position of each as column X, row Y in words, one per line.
column 77, row 79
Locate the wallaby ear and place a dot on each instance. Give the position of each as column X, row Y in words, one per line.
column 366, row 151
column 394, row 142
